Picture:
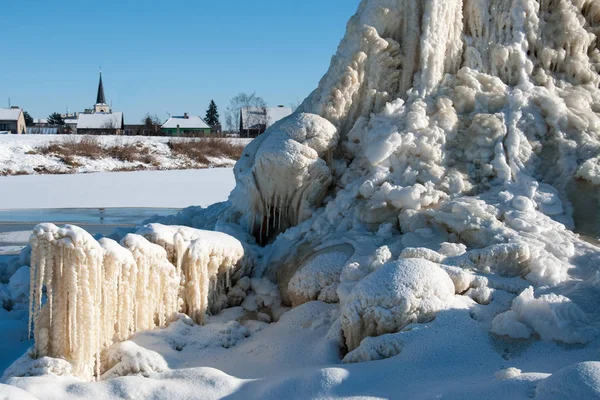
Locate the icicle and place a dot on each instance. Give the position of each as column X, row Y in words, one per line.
column 280, row 211
column 262, row 222
column 252, row 221
column 268, row 218
column 33, row 284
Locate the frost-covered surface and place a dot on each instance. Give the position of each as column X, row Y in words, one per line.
column 19, row 155
column 164, row 189
column 457, row 133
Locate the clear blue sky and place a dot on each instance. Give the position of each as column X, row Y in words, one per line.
column 160, row 56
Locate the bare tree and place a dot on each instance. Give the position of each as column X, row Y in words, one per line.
column 295, row 104
column 246, row 111
column 152, row 125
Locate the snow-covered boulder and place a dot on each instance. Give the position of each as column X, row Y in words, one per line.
column 575, row 382
column 397, row 294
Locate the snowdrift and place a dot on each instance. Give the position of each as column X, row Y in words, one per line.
column 431, row 185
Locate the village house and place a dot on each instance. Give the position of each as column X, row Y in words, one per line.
column 256, row 120
column 101, row 124
column 185, row 126
column 12, row 120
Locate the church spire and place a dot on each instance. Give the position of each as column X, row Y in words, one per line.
column 100, row 99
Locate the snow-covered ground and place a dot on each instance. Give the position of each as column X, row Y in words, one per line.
column 169, row 189
column 409, row 232
column 20, row 154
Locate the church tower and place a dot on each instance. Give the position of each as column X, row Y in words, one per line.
column 101, row 106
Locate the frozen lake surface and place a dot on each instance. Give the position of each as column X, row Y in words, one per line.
column 16, row 225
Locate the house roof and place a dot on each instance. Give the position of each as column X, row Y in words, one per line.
column 10, row 114
column 276, row 114
column 100, row 121
column 253, row 117
column 185, row 123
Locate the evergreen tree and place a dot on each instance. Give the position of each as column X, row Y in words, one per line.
column 55, row 119
column 212, row 114
column 28, row 119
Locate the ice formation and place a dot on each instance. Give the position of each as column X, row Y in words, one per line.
column 551, row 316
column 204, row 260
column 319, row 276
column 283, row 174
column 459, row 122
column 447, row 159
column 97, row 292
column 398, row 294
column 103, row 292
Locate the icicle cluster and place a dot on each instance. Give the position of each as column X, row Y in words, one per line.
column 97, row 293
column 205, row 262
column 68, row 262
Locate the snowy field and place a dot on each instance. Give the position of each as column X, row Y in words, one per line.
column 20, row 154
column 169, row 189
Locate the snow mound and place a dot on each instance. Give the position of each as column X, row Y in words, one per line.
column 508, row 373
column 551, row 316
column 128, row 358
column 578, row 381
column 397, row 294
column 375, row 348
column 13, row 393
column 28, row 365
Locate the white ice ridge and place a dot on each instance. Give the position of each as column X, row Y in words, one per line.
column 101, row 292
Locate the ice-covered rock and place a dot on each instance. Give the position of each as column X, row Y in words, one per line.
column 508, row 373
column 399, row 293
